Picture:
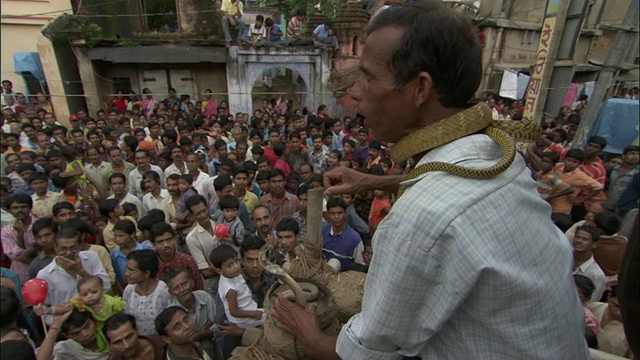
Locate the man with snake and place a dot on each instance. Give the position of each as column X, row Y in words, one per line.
column 468, row 263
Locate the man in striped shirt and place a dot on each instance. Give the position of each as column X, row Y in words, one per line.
column 294, row 37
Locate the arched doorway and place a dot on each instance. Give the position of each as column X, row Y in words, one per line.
column 297, row 71
column 280, row 82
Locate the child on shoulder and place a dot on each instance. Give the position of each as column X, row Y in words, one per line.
column 239, row 306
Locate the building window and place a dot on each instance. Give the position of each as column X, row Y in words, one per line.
column 123, row 84
column 160, row 16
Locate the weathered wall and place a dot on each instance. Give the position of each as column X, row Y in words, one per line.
column 19, row 31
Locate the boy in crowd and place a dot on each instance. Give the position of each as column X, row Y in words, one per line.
column 583, row 261
column 229, row 205
column 582, row 183
column 43, row 200
column 288, row 237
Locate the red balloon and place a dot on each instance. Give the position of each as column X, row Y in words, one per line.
column 221, row 231
column 35, row 291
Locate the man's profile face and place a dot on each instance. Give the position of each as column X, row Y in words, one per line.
column 378, row 97
column 123, row 341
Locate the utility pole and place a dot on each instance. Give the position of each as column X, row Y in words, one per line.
column 607, row 73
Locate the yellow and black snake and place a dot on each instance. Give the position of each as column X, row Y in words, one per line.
column 476, row 119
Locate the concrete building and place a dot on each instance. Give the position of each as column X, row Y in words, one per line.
column 134, row 45
column 512, row 28
column 22, row 21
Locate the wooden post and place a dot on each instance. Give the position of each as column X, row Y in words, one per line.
column 313, row 239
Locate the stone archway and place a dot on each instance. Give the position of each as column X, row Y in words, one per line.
column 245, row 65
column 278, row 81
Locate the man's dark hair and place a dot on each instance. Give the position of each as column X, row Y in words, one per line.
column 81, row 226
column 631, row 148
column 31, row 154
column 256, row 149
column 262, row 160
column 164, row 318
column 25, row 167
column 68, row 233
column 160, row 229
column 240, row 170
column 275, row 173
column 279, row 148
column 288, row 224
column 59, row 181
column 37, row 176
column 554, row 157
column 561, row 132
column 19, row 199
column 175, row 272
column 76, row 319
column 576, row 154
column 151, row 175
column 10, row 307
column 173, row 177
column 608, row 222
column 251, row 242
column 117, row 175
column 335, row 202
column 116, row 321
column 147, row 261
column 268, row 22
column 585, row 284
column 107, row 206
column 44, row 223
column 126, row 226
column 301, row 12
column 171, row 134
column 438, row 41
column 262, row 176
column 221, row 254
column 61, row 206
column 221, row 182
column 195, row 200
column 598, row 140
column 229, row 202
column 591, row 231
column 250, row 166
column 131, row 141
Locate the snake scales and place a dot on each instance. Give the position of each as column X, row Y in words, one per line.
column 476, row 119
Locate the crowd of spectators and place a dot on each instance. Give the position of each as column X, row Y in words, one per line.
column 117, row 212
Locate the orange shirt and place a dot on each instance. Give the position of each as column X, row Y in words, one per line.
column 578, row 180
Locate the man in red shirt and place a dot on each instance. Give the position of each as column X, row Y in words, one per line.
column 163, row 238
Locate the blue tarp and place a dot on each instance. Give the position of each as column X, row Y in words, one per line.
column 28, row 62
column 618, row 124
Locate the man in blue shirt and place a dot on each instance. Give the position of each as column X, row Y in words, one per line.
column 341, row 242
column 323, row 35
column 274, row 33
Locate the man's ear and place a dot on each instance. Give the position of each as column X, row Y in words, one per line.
column 424, row 88
column 217, row 270
column 166, row 339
